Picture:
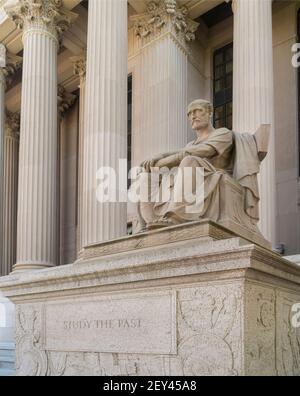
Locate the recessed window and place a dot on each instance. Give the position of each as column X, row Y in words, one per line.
column 223, row 83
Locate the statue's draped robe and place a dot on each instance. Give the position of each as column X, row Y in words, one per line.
column 223, row 152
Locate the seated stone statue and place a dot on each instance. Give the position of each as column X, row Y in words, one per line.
column 230, row 163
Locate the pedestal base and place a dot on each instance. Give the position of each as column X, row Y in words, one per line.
column 198, row 306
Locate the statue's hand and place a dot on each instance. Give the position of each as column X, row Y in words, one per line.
column 148, row 164
column 170, row 161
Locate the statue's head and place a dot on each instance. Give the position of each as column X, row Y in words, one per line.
column 200, row 114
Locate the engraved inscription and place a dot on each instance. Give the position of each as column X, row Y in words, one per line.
column 132, row 323
column 103, row 324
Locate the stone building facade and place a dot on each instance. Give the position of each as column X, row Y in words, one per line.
column 86, row 83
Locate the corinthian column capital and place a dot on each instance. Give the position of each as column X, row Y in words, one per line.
column 2, row 55
column 65, row 100
column 12, row 125
column 3, row 72
column 9, row 64
column 79, row 66
column 164, row 16
column 48, row 16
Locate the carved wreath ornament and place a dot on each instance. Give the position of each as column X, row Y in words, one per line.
column 161, row 14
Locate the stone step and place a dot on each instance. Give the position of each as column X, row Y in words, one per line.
column 8, row 352
column 7, row 355
column 7, row 359
column 7, row 346
column 6, row 373
column 7, row 366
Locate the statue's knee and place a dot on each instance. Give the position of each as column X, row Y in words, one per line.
column 188, row 161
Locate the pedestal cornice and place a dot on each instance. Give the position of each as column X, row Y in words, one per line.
column 201, row 257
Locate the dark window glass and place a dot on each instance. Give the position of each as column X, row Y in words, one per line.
column 223, row 83
column 219, row 113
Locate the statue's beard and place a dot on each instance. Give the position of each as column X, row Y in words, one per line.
column 198, row 125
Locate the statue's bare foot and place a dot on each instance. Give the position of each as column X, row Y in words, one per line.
column 173, row 218
column 159, row 224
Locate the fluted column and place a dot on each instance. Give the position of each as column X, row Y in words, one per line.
column 253, row 91
column 105, row 126
column 79, row 63
column 9, row 64
column 65, row 102
column 11, row 161
column 2, row 126
column 41, row 21
column 164, row 32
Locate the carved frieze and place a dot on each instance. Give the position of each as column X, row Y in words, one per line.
column 222, row 329
column 260, row 330
column 210, row 316
column 30, row 359
column 288, row 336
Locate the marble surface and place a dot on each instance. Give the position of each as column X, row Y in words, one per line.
column 228, row 301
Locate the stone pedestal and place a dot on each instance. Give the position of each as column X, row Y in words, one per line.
column 202, row 302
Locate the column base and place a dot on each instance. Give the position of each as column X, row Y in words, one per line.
column 198, row 306
column 18, row 268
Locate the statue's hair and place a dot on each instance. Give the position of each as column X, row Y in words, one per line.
column 196, row 104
